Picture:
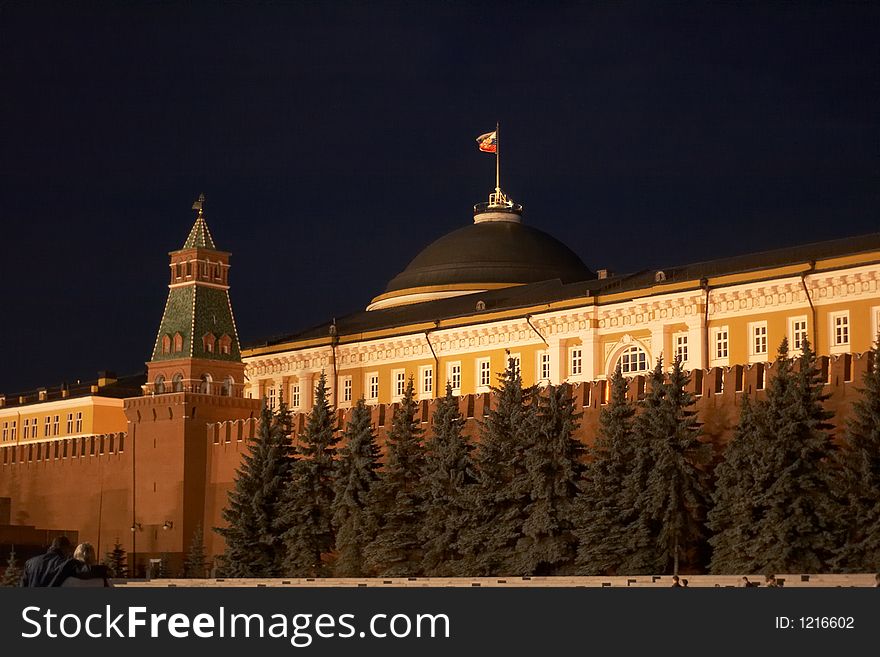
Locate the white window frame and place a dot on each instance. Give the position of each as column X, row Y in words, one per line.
column 56, row 424
column 715, row 360
column 576, row 361
column 347, row 389
column 837, row 345
column 13, row 428
column 371, row 387
column 398, row 384
column 542, row 366
column 47, row 427
column 295, row 395
column 70, row 423
column 453, row 376
column 5, row 431
column 793, row 333
column 680, row 344
column 483, row 383
column 79, row 422
column 27, row 429
column 271, row 397
column 635, row 349
column 756, row 356
column 426, row 382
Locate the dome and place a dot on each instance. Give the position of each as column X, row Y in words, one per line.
column 496, row 251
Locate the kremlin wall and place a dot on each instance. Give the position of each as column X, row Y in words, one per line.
column 145, row 460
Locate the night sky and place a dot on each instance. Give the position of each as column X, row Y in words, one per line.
column 335, row 140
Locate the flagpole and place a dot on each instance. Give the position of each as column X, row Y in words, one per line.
column 497, row 162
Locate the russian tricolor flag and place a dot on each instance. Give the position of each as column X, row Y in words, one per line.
column 488, row 143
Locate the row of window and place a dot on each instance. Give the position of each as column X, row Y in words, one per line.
column 205, row 385
column 207, row 270
column 210, row 343
column 51, row 426
column 797, row 333
column 633, row 360
column 62, row 449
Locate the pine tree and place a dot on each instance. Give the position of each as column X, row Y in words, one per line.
column 448, row 473
column 306, row 513
column 499, row 499
column 164, row 567
column 253, row 543
column 353, row 517
column 395, row 549
column 601, row 525
column 553, row 467
column 196, row 560
column 736, row 499
column 858, row 478
column 12, row 574
column 115, row 561
column 794, row 533
column 675, row 497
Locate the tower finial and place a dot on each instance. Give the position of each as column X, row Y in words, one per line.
column 199, row 204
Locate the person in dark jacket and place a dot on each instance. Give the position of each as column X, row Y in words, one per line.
column 51, row 568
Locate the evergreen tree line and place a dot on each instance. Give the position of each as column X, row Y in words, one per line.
column 649, row 496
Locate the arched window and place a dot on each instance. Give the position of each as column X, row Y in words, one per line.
column 166, row 344
column 205, row 385
column 633, row 360
column 178, row 342
column 159, row 385
column 208, row 340
column 228, row 386
column 225, row 344
column 177, row 382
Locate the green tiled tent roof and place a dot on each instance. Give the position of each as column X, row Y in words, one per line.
column 199, row 236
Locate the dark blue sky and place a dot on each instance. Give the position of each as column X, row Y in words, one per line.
column 334, row 140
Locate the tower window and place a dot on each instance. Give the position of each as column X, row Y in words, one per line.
column 159, row 385
column 177, row 382
column 228, row 386
column 225, row 343
column 208, row 340
column 166, row 344
column 178, row 343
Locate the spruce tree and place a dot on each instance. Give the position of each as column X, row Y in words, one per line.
column 12, row 574
column 395, row 549
column 164, row 570
column 353, row 518
column 448, row 474
column 115, row 560
column 306, row 514
column 253, row 543
column 675, row 497
column 196, row 560
column 794, row 532
column 553, row 467
column 601, row 522
column 639, row 554
column 858, row 478
column 736, row 498
column 498, row 502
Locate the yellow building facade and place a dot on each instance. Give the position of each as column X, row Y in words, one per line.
column 498, row 289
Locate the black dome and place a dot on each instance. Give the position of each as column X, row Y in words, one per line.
column 493, row 252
